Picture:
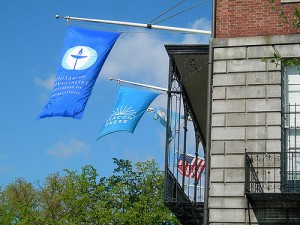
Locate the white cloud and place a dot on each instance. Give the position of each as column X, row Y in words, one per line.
column 160, row 101
column 47, row 83
column 66, row 150
column 200, row 24
column 140, row 57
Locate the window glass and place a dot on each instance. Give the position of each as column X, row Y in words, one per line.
column 292, row 122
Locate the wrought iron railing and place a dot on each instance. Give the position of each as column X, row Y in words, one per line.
column 184, row 156
column 183, row 165
column 291, row 143
column 252, row 183
column 272, row 172
column 183, row 147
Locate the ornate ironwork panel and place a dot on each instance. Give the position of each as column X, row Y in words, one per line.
column 273, row 202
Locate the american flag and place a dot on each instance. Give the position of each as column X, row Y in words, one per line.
column 190, row 166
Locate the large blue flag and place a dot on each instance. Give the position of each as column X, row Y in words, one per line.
column 130, row 106
column 84, row 54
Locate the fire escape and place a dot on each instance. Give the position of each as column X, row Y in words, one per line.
column 185, row 142
column 274, row 194
column 272, row 179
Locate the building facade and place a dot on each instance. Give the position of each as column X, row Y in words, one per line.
column 249, row 90
column 250, row 141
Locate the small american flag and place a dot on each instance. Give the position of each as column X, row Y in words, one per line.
column 191, row 166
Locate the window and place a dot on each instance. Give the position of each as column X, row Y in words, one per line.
column 289, row 1
column 291, row 126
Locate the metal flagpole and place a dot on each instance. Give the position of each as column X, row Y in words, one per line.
column 148, row 26
column 140, row 84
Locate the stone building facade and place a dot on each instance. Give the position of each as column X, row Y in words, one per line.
column 246, row 100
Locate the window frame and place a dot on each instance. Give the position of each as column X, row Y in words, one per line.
column 290, row 165
column 289, row 1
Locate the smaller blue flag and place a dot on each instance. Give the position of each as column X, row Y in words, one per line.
column 84, row 54
column 130, row 106
column 160, row 115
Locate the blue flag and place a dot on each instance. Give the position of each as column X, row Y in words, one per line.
column 84, row 54
column 160, row 115
column 130, row 106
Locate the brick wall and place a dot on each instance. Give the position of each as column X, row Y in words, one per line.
column 248, row 18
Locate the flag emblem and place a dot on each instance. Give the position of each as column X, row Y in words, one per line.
column 121, row 115
column 124, row 111
column 79, row 58
column 130, row 106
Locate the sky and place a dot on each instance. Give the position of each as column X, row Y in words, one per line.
column 31, row 45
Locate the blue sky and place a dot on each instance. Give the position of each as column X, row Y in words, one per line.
column 31, row 43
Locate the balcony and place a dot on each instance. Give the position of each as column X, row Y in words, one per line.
column 272, row 186
column 185, row 136
column 182, row 202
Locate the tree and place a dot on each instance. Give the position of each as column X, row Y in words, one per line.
column 79, row 195
column 6, row 214
column 19, row 203
column 132, row 195
column 137, row 195
column 53, row 209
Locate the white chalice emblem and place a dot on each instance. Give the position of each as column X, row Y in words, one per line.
column 79, row 58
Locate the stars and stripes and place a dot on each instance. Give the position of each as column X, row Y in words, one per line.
column 191, row 166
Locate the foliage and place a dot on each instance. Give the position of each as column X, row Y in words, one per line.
column 20, row 203
column 277, row 60
column 132, row 195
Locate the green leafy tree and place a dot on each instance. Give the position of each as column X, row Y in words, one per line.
column 150, row 206
column 20, row 202
column 80, row 195
column 135, row 196
column 132, row 195
column 6, row 213
column 53, row 209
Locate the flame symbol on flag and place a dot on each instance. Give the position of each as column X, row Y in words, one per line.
column 78, row 56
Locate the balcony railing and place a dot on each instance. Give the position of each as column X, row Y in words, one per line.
column 272, row 186
column 262, row 172
column 272, row 172
column 186, row 132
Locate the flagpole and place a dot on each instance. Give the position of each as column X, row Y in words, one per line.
column 140, row 84
column 142, row 25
